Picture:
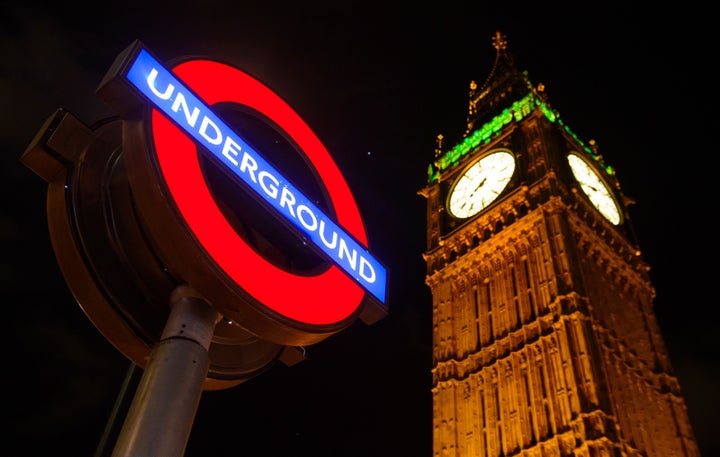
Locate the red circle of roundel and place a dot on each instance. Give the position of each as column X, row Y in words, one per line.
column 322, row 299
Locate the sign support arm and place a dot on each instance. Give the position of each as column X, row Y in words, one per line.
column 161, row 415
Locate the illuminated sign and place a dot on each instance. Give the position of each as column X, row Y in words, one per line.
column 170, row 93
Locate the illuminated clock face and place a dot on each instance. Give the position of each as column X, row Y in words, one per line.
column 481, row 184
column 595, row 188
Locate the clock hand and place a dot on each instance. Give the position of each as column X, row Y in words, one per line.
column 584, row 182
column 472, row 195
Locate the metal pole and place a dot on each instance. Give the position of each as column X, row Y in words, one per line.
column 161, row 415
column 122, row 403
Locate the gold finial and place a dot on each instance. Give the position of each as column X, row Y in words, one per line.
column 472, row 103
column 438, row 146
column 594, row 146
column 499, row 41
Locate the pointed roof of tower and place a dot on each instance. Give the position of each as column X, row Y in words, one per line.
column 504, row 84
column 507, row 96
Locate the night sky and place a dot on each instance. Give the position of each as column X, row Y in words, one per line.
column 376, row 84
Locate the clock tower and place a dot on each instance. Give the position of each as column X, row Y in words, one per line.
column 545, row 342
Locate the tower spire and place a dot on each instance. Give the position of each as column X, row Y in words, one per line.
column 499, row 41
column 503, row 75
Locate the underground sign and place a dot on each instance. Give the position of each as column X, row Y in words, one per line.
column 175, row 122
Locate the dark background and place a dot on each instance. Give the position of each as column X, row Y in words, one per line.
column 377, row 83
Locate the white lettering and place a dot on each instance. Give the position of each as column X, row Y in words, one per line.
column 364, row 266
column 249, row 165
column 287, row 197
column 203, row 131
column 180, row 101
column 330, row 245
column 344, row 249
column 231, row 147
column 272, row 190
column 151, row 84
column 302, row 209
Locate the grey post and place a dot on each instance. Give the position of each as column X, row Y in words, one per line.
column 161, row 415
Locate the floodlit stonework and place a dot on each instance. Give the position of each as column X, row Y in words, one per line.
column 545, row 341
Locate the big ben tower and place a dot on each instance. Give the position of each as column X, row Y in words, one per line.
column 545, row 342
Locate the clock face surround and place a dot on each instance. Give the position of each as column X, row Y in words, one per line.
column 480, row 184
column 595, row 188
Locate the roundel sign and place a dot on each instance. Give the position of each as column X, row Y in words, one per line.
column 181, row 127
